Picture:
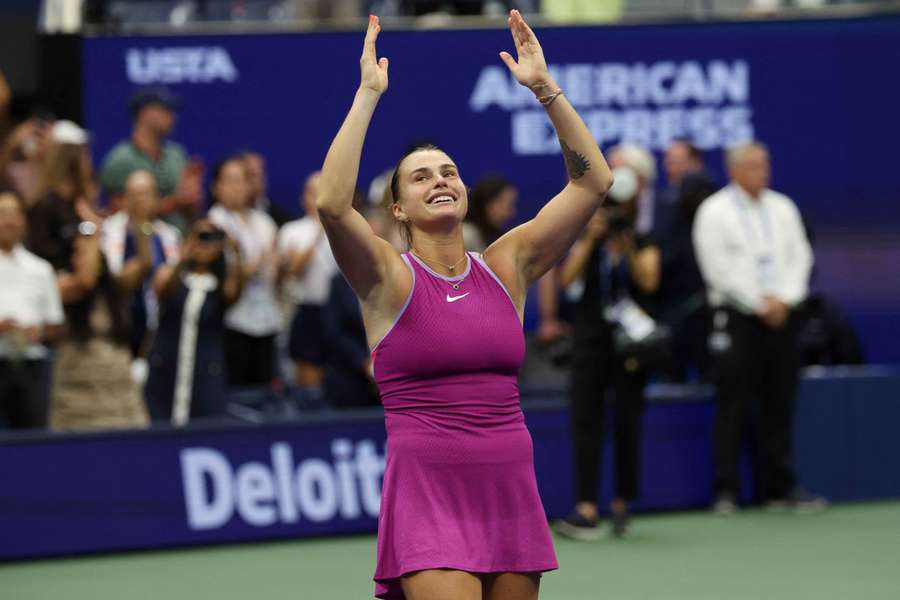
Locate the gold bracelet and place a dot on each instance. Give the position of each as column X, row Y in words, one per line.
column 548, row 99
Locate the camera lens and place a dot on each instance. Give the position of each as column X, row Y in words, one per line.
column 210, row 236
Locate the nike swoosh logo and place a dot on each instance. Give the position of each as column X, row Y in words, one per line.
column 455, row 298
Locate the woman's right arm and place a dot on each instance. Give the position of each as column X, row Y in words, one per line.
column 365, row 259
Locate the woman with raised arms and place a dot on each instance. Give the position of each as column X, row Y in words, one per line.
column 461, row 518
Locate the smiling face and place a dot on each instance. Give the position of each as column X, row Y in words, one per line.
column 430, row 194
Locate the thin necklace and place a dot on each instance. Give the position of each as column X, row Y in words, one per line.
column 454, row 284
column 448, row 267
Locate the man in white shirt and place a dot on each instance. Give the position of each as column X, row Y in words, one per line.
column 30, row 313
column 755, row 258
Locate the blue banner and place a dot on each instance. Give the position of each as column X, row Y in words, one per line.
column 822, row 94
column 140, row 490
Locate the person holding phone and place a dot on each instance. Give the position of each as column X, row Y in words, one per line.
column 186, row 361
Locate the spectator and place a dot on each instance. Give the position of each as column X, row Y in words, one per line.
column 178, row 180
column 613, row 269
column 93, row 387
column 381, row 219
column 641, row 162
column 682, row 293
column 30, row 314
column 492, row 204
column 187, row 361
column 348, row 379
column 254, row 320
column 65, row 179
column 756, row 260
column 23, row 155
column 120, row 235
column 681, row 158
column 259, row 188
column 308, row 267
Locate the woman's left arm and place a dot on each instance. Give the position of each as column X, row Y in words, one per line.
column 524, row 254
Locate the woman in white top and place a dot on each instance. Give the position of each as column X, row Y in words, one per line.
column 307, row 266
column 254, row 320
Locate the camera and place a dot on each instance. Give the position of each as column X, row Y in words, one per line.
column 617, row 219
column 213, row 235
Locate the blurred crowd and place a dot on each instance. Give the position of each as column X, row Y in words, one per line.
column 67, row 15
column 153, row 287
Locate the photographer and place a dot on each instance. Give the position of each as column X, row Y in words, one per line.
column 611, row 270
column 187, row 360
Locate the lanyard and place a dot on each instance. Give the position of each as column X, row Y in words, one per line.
column 764, row 259
column 747, row 225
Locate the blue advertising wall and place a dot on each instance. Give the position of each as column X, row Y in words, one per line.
column 322, row 476
column 822, row 94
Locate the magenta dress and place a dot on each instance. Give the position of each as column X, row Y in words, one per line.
column 459, row 489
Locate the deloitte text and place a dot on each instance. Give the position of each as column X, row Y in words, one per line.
column 650, row 104
column 204, row 64
column 282, row 491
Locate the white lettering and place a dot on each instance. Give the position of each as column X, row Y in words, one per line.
column 649, row 104
column 264, row 494
column 729, row 83
column 316, row 490
column 369, row 468
column 492, row 88
column 660, row 73
column 214, row 510
column 576, row 82
column 179, row 65
column 255, row 494
column 612, row 84
column 343, row 451
column 533, row 133
column 283, row 461
column 690, row 84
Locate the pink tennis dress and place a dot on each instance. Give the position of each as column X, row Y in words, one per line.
column 459, row 489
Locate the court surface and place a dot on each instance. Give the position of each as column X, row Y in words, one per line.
column 847, row 552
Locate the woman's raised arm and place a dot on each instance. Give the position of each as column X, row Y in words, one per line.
column 530, row 250
column 365, row 259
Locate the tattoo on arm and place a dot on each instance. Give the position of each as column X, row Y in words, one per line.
column 576, row 164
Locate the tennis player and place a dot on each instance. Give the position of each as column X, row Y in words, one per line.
column 460, row 518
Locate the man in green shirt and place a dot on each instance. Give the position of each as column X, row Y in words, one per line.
column 179, row 179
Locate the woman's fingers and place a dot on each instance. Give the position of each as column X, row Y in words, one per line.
column 524, row 34
column 514, row 31
column 371, row 36
column 508, row 60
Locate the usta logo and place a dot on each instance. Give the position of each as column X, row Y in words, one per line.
column 204, row 64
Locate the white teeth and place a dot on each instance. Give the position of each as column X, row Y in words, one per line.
column 442, row 199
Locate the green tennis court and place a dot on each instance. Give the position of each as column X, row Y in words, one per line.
column 847, row 552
